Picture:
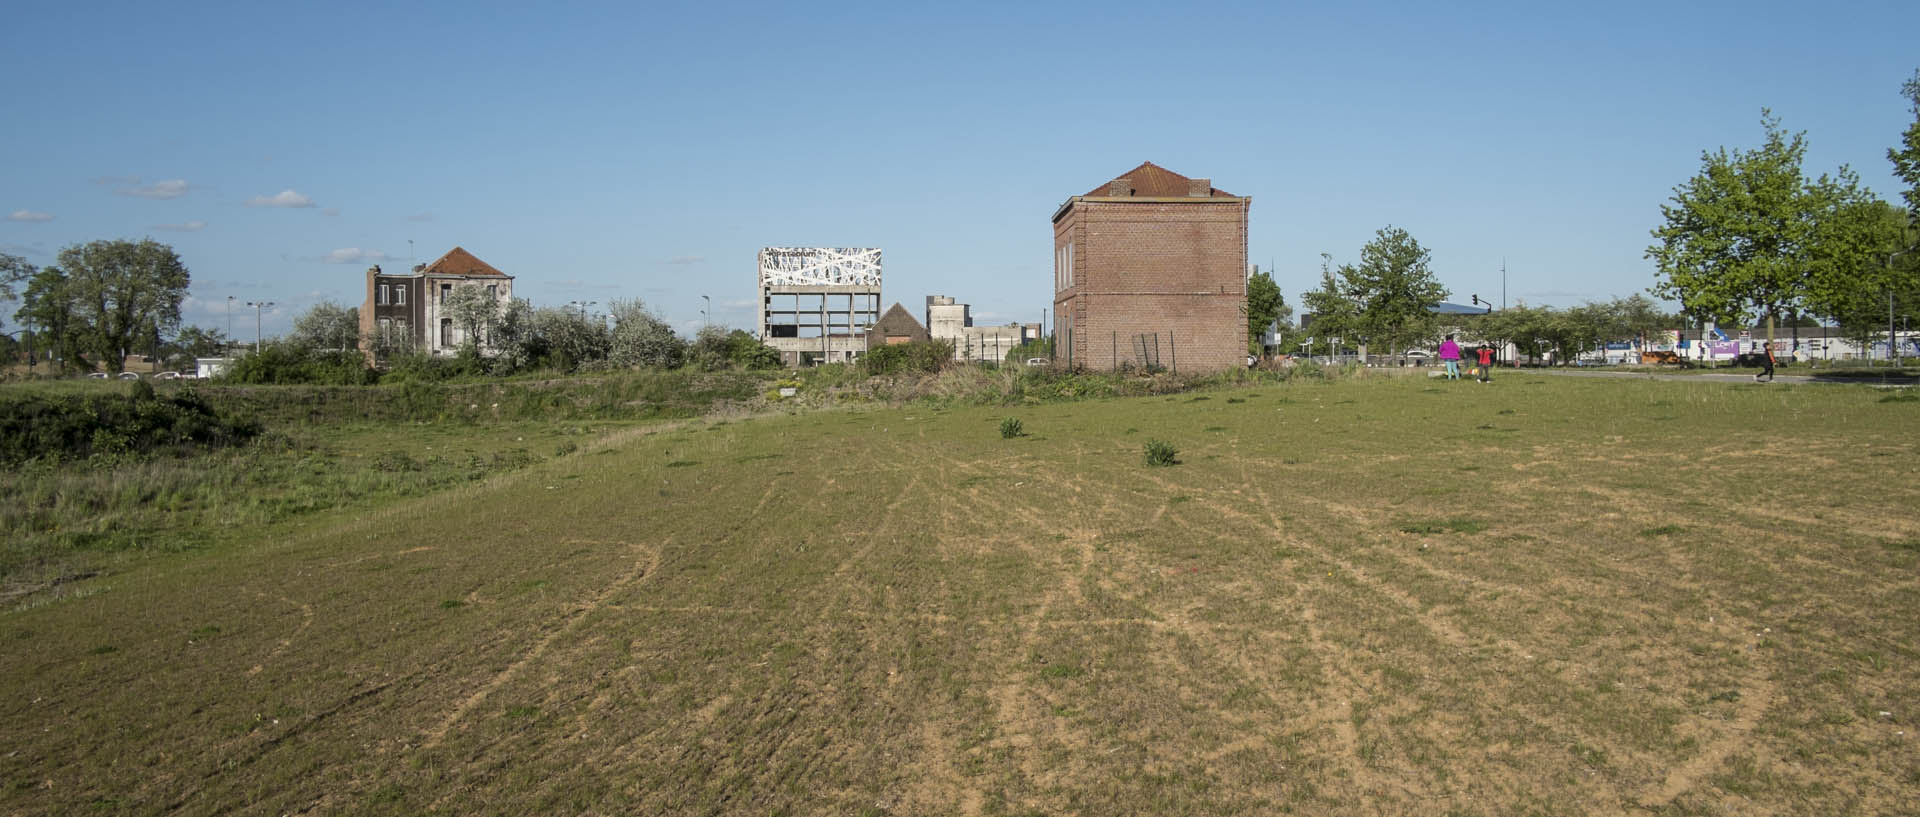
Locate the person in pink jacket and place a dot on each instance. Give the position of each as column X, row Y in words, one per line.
column 1450, row 352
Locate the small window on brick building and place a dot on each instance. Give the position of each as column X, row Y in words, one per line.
column 445, row 290
column 381, row 299
column 446, row 331
column 400, row 294
column 493, row 292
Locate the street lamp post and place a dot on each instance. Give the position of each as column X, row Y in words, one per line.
column 1892, row 341
column 258, row 306
column 229, row 345
column 706, row 312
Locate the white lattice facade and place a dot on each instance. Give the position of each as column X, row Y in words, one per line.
column 816, row 303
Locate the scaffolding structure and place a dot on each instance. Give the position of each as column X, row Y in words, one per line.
column 816, row 303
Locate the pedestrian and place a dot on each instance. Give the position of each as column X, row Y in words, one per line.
column 1450, row 354
column 1766, row 362
column 1486, row 363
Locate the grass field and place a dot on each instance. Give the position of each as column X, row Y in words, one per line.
column 1395, row 596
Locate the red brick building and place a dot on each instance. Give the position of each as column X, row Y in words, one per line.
column 1150, row 269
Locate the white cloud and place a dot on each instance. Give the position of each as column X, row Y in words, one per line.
column 29, row 215
column 354, row 255
column 420, row 217
column 284, row 198
column 687, row 259
column 188, row 227
column 116, row 180
column 169, row 189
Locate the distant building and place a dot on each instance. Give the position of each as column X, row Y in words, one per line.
column 818, row 303
column 1150, row 270
column 950, row 321
column 406, row 310
column 896, row 326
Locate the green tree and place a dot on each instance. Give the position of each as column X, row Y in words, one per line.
column 475, row 312
column 641, row 338
column 1265, row 308
column 47, row 305
column 194, row 342
column 1906, row 157
column 1393, row 289
column 328, row 325
column 1750, row 234
column 125, row 294
column 1335, row 313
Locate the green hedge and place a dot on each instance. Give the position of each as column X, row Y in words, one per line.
column 79, row 426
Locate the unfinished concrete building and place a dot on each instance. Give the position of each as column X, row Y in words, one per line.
column 951, row 321
column 817, row 303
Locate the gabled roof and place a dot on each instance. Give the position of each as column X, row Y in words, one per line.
column 458, row 261
column 894, row 315
column 1153, row 181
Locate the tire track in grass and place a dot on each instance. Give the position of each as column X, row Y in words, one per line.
column 645, row 566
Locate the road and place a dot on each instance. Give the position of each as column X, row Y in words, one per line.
column 1885, row 380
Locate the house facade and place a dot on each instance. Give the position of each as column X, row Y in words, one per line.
column 409, row 310
column 1150, row 272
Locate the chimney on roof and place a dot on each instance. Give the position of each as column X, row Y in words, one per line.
column 419, row 267
column 1120, row 187
column 1200, row 187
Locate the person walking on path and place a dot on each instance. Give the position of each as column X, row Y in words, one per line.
column 1766, row 364
column 1486, row 363
column 1450, row 354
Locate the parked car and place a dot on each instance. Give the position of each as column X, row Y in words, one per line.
column 129, row 375
column 1416, row 353
column 1038, row 361
column 166, row 376
column 1757, row 360
column 97, row 376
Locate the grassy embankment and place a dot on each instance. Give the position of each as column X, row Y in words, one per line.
column 1384, row 596
column 323, row 448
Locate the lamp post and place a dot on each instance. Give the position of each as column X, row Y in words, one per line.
column 706, row 312
column 1892, row 341
column 229, row 344
column 258, row 306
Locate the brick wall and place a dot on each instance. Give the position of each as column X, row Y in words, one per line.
column 1171, row 269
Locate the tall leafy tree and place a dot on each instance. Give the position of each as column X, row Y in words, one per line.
column 127, row 295
column 1392, row 290
column 1750, row 234
column 1265, row 307
column 328, row 326
column 1335, row 313
column 1906, row 157
column 47, row 305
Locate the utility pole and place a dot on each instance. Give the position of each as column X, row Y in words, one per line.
column 706, row 312
column 258, row 306
column 229, row 345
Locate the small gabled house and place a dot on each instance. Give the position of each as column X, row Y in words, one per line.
column 897, row 325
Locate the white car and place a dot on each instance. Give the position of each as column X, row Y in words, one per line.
column 1417, row 353
column 129, row 375
column 1038, row 361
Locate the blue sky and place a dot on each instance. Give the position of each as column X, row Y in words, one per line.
column 649, row 150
